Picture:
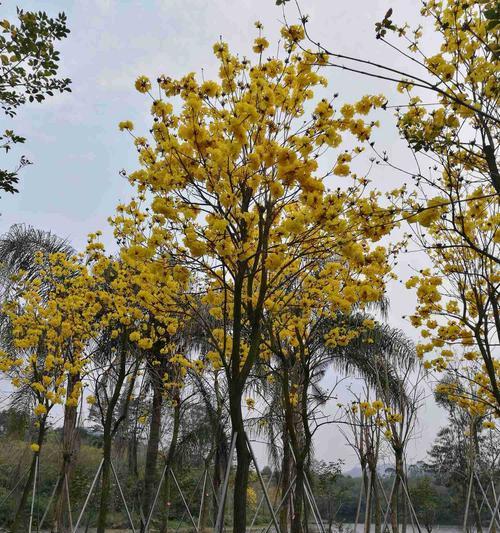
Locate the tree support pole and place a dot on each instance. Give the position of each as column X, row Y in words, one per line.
column 485, row 498
column 283, row 500
column 122, row 497
column 360, row 499
column 219, row 524
column 214, row 492
column 202, row 497
column 382, row 489
column 311, row 505
column 193, row 494
column 261, row 501
column 184, row 500
column 314, row 505
column 14, row 488
column 494, row 492
column 49, row 504
column 70, row 514
column 310, row 496
column 268, row 500
column 467, row 504
column 388, row 510
column 156, row 497
column 497, row 506
column 412, row 509
column 94, row 481
column 34, row 493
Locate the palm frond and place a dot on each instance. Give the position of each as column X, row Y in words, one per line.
column 18, row 247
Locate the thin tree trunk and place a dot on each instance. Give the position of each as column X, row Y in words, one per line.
column 285, row 482
column 404, row 511
column 377, row 518
column 477, row 512
column 243, row 459
column 368, row 501
column 169, row 464
column 203, row 513
column 150, row 471
column 69, row 441
column 298, row 500
column 132, row 464
column 219, row 467
column 220, row 455
column 395, row 492
column 17, row 521
column 109, row 429
column 105, row 480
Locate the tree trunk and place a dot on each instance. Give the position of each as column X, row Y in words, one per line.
column 105, row 478
column 165, row 496
column 243, row 459
column 285, row 482
column 203, row 516
column 298, row 499
column 395, row 493
column 17, row 521
column 150, row 471
column 132, row 465
column 69, row 442
column 220, row 465
column 110, row 427
column 368, row 501
column 377, row 515
column 169, row 463
column 404, row 511
column 477, row 512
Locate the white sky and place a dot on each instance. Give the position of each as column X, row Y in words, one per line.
column 77, row 150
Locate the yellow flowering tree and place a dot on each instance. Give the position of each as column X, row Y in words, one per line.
column 163, row 334
column 51, row 323
column 364, row 418
column 306, row 330
column 135, row 325
column 457, row 213
column 234, row 176
column 450, row 121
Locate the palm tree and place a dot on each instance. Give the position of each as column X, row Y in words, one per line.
column 18, row 248
column 375, row 361
column 385, row 364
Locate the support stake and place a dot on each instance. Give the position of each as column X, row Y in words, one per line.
column 263, row 485
column 389, row 505
column 122, row 497
column 69, row 502
column 202, row 497
column 34, row 493
column 412, row 509
column 150, row 514
column 497, row 506
column 466, row 514
column 485, row 497
column 283, row 500
column 184, row 500
column 49, row 504
column 219, row 524
column 94, row 481
column 261, row 502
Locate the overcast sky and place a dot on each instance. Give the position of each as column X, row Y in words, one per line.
column 77, row 150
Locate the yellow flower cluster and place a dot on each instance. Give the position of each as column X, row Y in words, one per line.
column 235, row 189
column 52, row 321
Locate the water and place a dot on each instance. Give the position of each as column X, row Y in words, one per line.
column 349, row 528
